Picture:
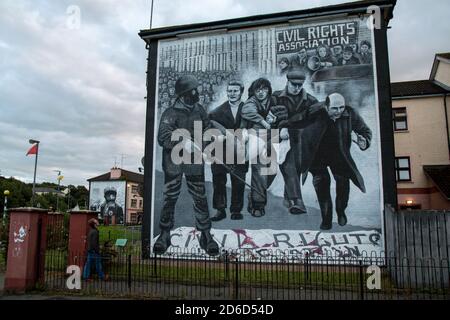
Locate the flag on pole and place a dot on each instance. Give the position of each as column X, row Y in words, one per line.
column 33, row 150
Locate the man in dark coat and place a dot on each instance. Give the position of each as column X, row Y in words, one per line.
column 349, row 57
column 299, row 62
column 185, row 114
column 228, row 116
column 365, row 52
column 326, row 143
column 298, row 103
column 93, row 252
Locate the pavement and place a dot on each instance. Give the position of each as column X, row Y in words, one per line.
column 40, row 296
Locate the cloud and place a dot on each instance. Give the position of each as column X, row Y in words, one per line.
column 81, row 92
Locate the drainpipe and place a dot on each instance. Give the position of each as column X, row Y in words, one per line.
column 446, row 123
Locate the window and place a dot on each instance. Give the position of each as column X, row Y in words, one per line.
column 140, row 204
column 403, row 169
column 400, row 119
column 133, row 203
column 411, row 207
column 134, row 189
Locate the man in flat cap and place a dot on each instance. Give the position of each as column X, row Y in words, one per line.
column 299, row 104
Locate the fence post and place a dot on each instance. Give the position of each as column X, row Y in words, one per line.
column 236, row 280
column 226, row 266
column 155, row 274
column 129, row 272
column 307, row 267
column 361, row 280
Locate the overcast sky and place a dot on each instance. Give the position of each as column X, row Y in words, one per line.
column 81, row 91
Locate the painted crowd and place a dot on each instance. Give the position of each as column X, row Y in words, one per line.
column 326, row 57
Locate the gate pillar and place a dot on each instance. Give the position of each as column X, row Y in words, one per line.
column 26, row 249
column 78, row 232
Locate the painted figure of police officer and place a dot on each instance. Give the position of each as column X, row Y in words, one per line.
column 298, row 103
column 185, row 112
column 110, row 211
column 326, row 143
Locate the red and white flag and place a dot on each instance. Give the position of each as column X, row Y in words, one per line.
column 33, row 150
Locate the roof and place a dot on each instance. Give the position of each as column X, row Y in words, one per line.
column 260, row 20
column 444, row 55
column 441, row 178
column 416, row 88
column 46, row 190
column 126, row 175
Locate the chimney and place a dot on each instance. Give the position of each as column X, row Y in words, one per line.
column 116, row 173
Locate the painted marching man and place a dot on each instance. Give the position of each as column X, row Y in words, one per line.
column 228, row 115
column 326, row 144
column 298, row 102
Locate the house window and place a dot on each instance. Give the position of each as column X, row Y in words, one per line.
column 400, row 119
column 134, row 189
column 411, row 207
column 140, row 204
column 403, row 169
column 133, row 203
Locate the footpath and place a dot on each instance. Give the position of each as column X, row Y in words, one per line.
column 40, row 296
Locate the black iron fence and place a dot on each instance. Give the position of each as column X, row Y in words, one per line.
column 189, row 275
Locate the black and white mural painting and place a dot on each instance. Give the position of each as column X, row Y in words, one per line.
column 108, row 199
column 267, row 139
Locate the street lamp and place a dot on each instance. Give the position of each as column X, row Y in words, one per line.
column 59, row 178
column 6, row 194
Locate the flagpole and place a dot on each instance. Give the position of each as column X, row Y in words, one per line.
column 35, row 169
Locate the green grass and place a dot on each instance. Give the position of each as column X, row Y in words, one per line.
column 198, row 273
column 2, row 260
column 119, row 232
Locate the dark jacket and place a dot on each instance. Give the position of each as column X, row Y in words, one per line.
column 329, row 59
column 296, row 63
column 112, row 209
column 180, row 116
column 366, row 58
column 298, row 112
column 312, row 136
column 93, row 240
column 223, row 116
column 352, row 61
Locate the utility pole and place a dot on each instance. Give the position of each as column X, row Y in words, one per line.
column 59, row 178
